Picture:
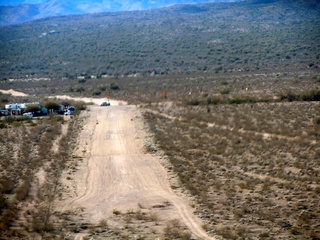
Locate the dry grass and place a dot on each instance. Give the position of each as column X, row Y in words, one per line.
column 26, row 202
column 253, row 168
column 141, row 224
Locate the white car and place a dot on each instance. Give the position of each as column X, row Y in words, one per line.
column 28, row 114
column 68, row 112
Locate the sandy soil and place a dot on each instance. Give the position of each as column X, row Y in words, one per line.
column 13, row 93
column 118, row 174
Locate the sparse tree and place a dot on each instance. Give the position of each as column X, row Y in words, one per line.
column 32, row 108
column 52, row 105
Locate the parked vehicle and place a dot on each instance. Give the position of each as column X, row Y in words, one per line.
column 13, row 106
column 28, row 114
column 68, row 112
column 61, row 112
column 4, row 112
column 71, row 109
column 105, row 104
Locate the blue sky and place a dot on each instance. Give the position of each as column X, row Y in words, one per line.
column 15, row 2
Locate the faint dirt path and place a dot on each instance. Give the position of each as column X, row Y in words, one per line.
column 118, row 174
column 264, row 135
column 14, row 93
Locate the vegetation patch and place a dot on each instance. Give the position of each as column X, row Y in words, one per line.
column 26, row 204
column 246, row 165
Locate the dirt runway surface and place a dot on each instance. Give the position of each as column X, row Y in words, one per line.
column 117, row 173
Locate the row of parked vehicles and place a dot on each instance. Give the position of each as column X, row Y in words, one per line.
column 17, row 110
column 5, row 113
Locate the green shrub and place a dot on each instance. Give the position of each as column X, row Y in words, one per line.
column 4, row 100
column 312, row 95
column 80, row 89
column 96, row 93
column 216, row 100
column 241, row 100
column 9, row 119
column 225, row 91
column 103, row 88
column 116, row 212
column 173, row 230
column 52, row 105
column 3, row 203
column 7, row 185
column 289, row 96
column 80, row 105
column 23, row 190
column 193, row 102
column 8, row 217
column 59, row 119
column 113, row 86
column 32, row 108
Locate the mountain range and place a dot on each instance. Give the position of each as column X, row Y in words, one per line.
column 28, row 12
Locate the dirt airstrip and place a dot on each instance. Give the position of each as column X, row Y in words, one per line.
column 117, row 175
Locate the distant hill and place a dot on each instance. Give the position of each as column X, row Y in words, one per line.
column 250, row 36
column 28, row 12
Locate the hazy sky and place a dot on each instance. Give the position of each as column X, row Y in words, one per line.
column 15, row 2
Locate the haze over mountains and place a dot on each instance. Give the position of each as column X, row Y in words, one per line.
column 10, row 14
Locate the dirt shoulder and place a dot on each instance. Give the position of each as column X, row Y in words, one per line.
column 13, row 93
column 117, row 175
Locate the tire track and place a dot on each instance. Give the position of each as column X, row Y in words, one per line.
column 120, row 175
